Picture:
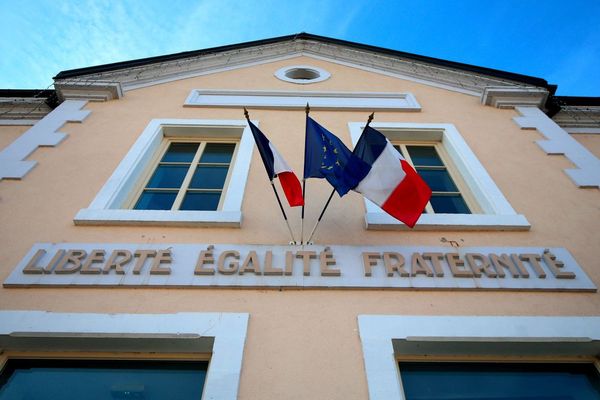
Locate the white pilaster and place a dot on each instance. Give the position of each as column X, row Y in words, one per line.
column 558, row 141
column 13, row 163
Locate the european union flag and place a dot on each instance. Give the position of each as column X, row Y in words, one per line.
column 325, row 156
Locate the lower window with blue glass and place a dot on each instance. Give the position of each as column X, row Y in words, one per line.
column 499, row 381
column 43, row 379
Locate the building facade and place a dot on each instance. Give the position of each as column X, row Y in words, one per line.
column 138, row 227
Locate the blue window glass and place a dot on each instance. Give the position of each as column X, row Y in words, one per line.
column 201, row 201
column 100, row 380
column 154, row 200
column 424, row 155
column 209, row 177
column 217, row 153
column 180, row 152
column 168, row 176
column 492, row 381
column 437, row 180
column 449, row 204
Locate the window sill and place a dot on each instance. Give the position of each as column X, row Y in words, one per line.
column 220, row 219
column 516, row 222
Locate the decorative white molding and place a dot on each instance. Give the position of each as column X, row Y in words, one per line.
column 13, row 163
column 107, row 208
column 23, row 109
column 88, row 90
column 184, row 331
column 207, row 219
column 378, row 334
column 317, row 74
column 373, row 61
column 558, row 141
column 578, row 117
column 591, row 131
column 379, row 220
column 511, row 97
column 18, row 122
column 298, row 99
column 498, row 214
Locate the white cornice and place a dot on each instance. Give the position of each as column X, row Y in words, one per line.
column 578, row 117
column 514, row 96
column 405, row 68
column 88, row 90
column 22, row 109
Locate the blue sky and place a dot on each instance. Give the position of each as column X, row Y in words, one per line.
column 555, row 40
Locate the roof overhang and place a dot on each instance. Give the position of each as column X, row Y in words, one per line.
column 25, row 106
column 496, row 88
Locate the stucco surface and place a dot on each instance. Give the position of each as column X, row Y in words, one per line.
column 9, row 133
column 301, row 343
column 590, row 141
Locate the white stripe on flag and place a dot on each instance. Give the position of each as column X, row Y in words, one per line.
column 385, row 175
column 279, row 164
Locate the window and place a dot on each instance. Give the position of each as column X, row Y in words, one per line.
column 180, row 345
column 446, row 197
column 179, row 172
column 189, row 176
column 302, row 74
column 464, row 195
column 421, row 357
column 102, row 379
column 519, row 381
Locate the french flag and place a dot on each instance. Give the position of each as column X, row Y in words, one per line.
column 390, row 181
column 277, row 167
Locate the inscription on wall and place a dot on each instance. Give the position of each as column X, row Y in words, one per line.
column 186, row 265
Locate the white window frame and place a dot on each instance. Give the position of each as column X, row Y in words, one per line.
column 563, row 336
column 496, row 212
column 183, row 188
column 227, row 331
column 109, row 207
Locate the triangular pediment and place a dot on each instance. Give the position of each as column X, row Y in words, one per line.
column 112, row 80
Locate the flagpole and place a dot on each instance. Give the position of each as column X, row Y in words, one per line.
column 333, row 191
column 307, row 110
column 276, row 194
column 283, row 212
column 320, row 217
column 302, row 217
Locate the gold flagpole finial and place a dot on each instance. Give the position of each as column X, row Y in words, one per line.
column 307, row 108
column 246, row 114
column 370, row 118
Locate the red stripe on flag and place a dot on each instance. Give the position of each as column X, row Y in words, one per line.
column 408, row 200
column 291, row 187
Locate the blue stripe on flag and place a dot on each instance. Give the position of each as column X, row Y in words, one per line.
column 264, row 149
column 370, row 145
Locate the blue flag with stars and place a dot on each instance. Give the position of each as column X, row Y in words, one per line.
column 325, row 156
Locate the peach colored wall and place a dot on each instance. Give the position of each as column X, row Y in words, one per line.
column 9, row 133
column 590, row 141
column 301, row 343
